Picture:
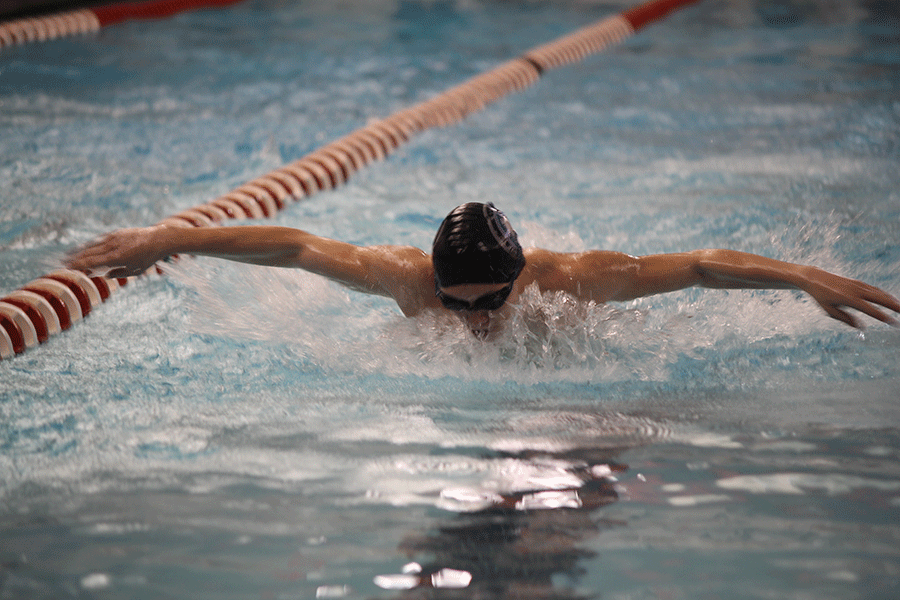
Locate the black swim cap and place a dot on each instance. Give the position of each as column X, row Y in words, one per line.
column 476, row 244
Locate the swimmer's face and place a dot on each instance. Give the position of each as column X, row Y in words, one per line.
column 477, row 304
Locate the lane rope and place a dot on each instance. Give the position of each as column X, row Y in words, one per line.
column 90, row 20
column 52, row 303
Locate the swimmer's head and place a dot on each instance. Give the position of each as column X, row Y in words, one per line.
column 476, row 244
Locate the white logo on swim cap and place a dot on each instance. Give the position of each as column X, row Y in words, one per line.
column 500, row 228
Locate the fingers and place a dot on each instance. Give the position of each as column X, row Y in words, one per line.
column 841, row 315
column 107, row 244
column 85, row 261
column 865, row 305
column 89, row 254
column 841, row 294
column 870, row 296
column 884, row 299
column 876, row 313
column 119, row 272
column 100, row 256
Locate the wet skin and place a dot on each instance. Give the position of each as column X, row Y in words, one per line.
column 406, row 273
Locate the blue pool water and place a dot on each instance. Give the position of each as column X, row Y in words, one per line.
column 227, row 431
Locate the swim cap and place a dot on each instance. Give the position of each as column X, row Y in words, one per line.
column 476, row 244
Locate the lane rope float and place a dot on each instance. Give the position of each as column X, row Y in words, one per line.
column 90, row 20
column 52, row 303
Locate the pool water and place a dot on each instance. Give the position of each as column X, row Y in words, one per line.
column 227, row 431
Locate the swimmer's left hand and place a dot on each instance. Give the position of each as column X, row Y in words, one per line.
column 836, row 294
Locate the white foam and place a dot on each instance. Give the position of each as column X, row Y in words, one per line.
column 696, row 499
column 797, row 483
column 96, row 581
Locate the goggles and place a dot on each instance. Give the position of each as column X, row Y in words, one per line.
column 489, row 301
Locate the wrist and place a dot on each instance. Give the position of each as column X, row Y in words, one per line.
column 162, row 241
column 803, row 276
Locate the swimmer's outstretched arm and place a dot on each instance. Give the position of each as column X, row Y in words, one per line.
column 127, row 252
column 603, row 276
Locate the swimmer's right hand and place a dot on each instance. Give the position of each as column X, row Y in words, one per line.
column 122, row 253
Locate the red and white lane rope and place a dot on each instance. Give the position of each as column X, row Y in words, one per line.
column 51, row 304
column 88, row 20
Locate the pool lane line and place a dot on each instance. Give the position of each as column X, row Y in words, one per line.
column 92, row 19
column 51, row 304
column 39, row 29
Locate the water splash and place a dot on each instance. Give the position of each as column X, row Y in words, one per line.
column 719, row 337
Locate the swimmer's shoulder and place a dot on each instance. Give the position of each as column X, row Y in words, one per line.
column 588, row 275
column 408, row 257
column 544, row 267
column 541, row 263
column 545, row 261
column 407, row 275
column 400, row 265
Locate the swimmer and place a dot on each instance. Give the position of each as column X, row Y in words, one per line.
column 477, row 269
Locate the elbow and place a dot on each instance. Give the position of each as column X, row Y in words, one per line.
column 707, row 267
column 626, row 282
